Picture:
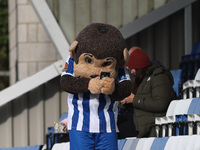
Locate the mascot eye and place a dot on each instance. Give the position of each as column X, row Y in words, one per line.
column 89, row 60
column 106, row 63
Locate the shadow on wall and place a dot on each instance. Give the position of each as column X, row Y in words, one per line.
column 41, row 94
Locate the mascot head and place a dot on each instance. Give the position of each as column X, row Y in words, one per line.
column 99, row 49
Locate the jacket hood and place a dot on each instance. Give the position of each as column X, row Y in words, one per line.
column 156, row 69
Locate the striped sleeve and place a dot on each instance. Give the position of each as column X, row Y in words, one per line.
column 69, row 67
column 123, row 74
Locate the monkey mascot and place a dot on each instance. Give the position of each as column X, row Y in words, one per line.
column 95, row 78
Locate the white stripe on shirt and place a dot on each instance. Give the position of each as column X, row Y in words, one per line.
column 94, row 118
column 80, row 108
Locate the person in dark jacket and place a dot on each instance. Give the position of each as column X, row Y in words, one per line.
column 152, row 92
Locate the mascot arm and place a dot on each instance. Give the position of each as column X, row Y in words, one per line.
column 122, row 90
column 74, row 84
column 104, row 86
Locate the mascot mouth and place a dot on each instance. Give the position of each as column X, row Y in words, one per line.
column 94, row 76
column 103, row 74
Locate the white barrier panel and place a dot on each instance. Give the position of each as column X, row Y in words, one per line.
column 171, row 108
column 147, row 144
column 182, row 107
column 61, row 146
column 166, row 143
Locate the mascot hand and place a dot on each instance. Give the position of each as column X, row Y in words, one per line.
column 108, row 85
column 95, row 85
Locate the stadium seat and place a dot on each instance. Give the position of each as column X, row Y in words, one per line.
column 196, row 48
column 177, row 80
column 182, row 107
column 190, row 63
column 193, row 106
column 171, row 108
column 182, row 118
column 197, row 77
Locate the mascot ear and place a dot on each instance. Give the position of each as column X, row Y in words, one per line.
column 126, row 56
column 72, row 48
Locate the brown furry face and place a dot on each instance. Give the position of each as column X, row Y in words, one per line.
column 102, row 40
column 88, row 65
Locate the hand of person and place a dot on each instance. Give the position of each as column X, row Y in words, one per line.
column 128, row 99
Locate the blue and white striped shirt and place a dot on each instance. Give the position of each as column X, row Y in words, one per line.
column 95, row 113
